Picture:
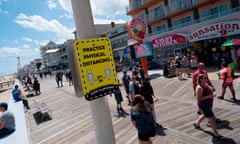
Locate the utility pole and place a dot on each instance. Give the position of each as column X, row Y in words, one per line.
column 99, row 107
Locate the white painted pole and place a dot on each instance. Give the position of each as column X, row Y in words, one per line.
column 99, row 107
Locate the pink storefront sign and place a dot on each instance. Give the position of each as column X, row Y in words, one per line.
column 168, row 40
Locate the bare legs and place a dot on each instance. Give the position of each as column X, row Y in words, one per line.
column 212, row 122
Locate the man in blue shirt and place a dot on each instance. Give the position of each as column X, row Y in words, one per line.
column 18, row 96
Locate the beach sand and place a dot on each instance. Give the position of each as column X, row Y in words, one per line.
column 5, row 95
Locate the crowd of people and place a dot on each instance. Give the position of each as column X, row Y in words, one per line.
column 141, row 97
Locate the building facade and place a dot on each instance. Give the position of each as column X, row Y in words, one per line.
column 54, row 56
column 119, row 40
column 189, row 27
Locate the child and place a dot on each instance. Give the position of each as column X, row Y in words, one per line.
column 119, row 99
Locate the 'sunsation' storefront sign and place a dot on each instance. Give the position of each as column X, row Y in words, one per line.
column 215, row 30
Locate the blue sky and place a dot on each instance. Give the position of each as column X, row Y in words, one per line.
column 27, row 24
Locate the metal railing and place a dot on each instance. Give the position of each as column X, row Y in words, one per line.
column 155, row 16
column 177, row 6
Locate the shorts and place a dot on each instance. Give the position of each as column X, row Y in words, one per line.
column 179, row 70
column 207, row 112
column 147, row 135
column 118, row 98
column 227, row 84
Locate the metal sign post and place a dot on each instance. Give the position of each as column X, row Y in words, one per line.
column 99, row 107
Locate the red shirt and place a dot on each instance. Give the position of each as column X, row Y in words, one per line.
column 226, row 70
column 195, row 75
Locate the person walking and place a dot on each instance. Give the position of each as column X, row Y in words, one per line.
column 58, row 79
column 185, row 64
column 147, row 92
column 205, row 96
column 134, row 88
column 70, row 78
column 200, row 70
column 227, row 81
column 7, row 121
column 178, row 66
column 36, row 86
column 126, row 80
column 119, row 99
column 142, row 119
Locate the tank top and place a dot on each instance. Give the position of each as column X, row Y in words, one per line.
column 208, row 102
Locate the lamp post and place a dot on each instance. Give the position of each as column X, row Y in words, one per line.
column 18, row 64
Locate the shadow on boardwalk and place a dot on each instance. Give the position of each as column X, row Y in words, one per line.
column 176, row 112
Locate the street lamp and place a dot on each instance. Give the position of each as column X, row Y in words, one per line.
column 18, row 64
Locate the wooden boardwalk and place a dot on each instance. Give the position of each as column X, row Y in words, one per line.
column 176, row 112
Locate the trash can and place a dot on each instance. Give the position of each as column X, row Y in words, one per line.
column 165, row 69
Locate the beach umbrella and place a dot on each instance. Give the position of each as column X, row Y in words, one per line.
column 231, row 42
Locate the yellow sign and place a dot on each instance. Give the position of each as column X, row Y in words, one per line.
column 96, row 67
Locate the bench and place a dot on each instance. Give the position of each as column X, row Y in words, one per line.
column 43, row 111
column 20, row 135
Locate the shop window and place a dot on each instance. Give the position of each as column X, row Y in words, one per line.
column 182, row 21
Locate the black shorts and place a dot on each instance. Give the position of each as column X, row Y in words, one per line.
column 207, row 111
column 147, row 135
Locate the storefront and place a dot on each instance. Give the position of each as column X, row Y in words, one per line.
column 208, row 42
column 165, row 47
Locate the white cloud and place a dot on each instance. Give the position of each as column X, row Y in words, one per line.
column 104, row 11
column 108, row 8
column 66, row 5
column 25, row 46
column 27, row 39
column 41, row 24
column 51, row 4
column 6, row 52
column 68, row 16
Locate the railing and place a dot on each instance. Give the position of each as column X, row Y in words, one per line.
column 194, row 2
column 204, row 19
column 6, row 85
column 134, row 5
column 177, row 6
column 155, row 16
column 120, row 44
